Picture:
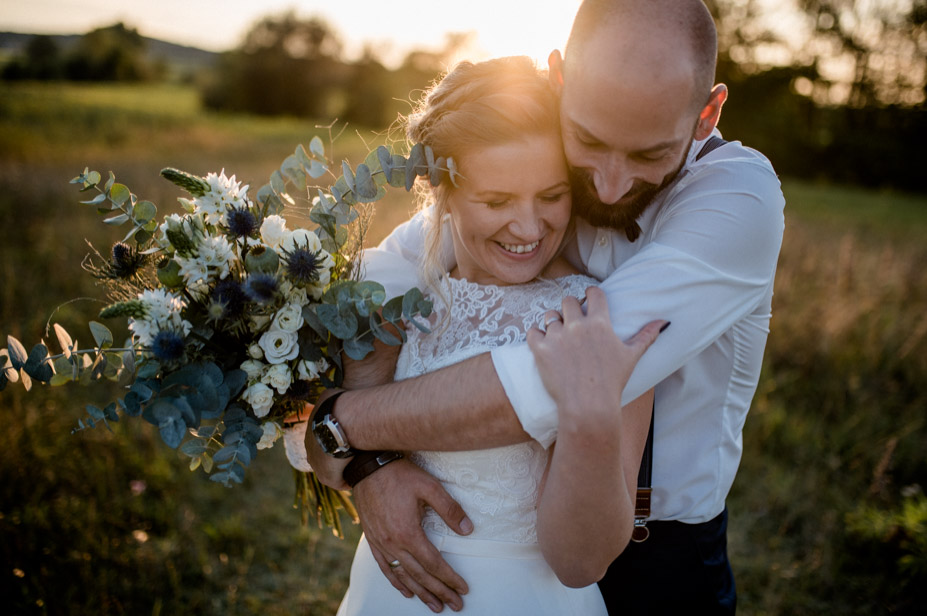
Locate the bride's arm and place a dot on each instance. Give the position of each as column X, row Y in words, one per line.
column 586, row 507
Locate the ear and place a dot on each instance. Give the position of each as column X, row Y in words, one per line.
column 710, row 114
column 555, row 71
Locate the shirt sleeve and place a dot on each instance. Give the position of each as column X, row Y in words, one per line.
column 394, row 263
column 711, row 261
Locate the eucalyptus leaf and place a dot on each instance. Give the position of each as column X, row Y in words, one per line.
column 132, row 404
column 392, row 310
column 37, row 365
column 110, row 411
column 340, row 322
column 98, row 199
column 64, row 339
column 101, row 335
column 385, row 158
column 116, row 220
column 17, row 352
column 60, row 378
column 316, row 147
column 194, row 448
column 148, row 369
column 365, row 189
column 357, row 349
column 235, row 380
column 169, row 420
column 144, row 212
column 25, row 379
column 347, row 174
column 119, row 193
column 382, row 334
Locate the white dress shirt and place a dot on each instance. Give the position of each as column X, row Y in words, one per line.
column 705, row 260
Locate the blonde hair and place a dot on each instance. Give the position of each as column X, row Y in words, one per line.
column 474, row 106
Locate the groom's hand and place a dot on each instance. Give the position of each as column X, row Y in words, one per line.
column 391, row 503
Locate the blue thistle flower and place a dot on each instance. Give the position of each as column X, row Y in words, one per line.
column 125, row 261
column 167, row 345
column 302, row 265
column 261, row 288
column 241, row 222
column 231, row 296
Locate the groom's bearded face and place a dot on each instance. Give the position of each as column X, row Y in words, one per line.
column 623, row 213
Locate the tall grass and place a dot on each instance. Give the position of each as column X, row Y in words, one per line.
column 826, row 517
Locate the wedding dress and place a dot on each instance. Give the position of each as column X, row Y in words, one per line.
column 498, row 488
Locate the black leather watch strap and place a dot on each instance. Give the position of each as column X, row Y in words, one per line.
column 326, row 407
column 365, row 463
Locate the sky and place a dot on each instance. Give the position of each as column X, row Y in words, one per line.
column 501, row 27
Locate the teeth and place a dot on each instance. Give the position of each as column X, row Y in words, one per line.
column 520, row 248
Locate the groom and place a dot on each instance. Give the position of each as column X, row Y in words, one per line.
column 677, row 228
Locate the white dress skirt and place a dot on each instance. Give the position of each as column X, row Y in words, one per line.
column 500, row 560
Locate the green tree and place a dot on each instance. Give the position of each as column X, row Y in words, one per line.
column 113, row 53
column 41, row 59
column 285, row 65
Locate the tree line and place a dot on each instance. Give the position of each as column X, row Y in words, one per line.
column 838, row 94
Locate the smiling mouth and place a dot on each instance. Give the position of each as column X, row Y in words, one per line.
column 519, row 248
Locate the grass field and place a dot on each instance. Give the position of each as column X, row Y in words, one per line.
column 828, row 512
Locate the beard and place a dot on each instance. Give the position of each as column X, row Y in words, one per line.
column 621, row 215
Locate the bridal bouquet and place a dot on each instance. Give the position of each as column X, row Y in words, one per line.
column 236, row 318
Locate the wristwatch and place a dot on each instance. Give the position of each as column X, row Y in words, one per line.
column 328, row 432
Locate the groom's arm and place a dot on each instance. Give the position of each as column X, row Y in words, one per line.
column 460, row 407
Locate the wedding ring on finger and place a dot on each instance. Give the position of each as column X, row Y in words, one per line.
column 395, row 564
column 552, row 317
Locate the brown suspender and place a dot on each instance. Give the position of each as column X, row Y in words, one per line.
column 644, row 476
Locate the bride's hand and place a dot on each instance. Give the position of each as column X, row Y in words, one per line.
column 582, row 362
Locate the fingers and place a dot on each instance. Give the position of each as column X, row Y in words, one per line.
column 449, row 510
column 383, row 562
column 642, row 340
column 551, row 319
column 415, row 572
column 596, row 302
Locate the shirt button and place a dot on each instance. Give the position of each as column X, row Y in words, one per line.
column 603, row 240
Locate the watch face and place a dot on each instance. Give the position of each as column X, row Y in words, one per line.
column 331, row 437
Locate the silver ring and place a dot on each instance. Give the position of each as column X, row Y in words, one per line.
column 395, row 564
column 553, row 319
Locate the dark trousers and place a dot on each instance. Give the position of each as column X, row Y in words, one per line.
column 679, row 569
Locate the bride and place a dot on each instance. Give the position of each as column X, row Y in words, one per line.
column 546, row 522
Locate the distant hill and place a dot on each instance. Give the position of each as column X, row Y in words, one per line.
column 180, row 58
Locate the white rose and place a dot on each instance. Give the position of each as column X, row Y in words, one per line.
column 253, row 368
column 289, row 318
column 254, row 351
column 260, row 397
column 297, row 296
column 274, row 231
column 307, row 370
column 279, row 345
column 271, row 433
column 279, row 377
column 301, row 239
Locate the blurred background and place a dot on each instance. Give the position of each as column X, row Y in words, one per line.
column 828, row 512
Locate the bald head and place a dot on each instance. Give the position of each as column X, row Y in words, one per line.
column 646, row 39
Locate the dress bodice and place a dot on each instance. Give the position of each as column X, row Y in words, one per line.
column 498, row 487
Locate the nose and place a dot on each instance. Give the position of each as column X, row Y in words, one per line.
column 526, row 222
column 613, row 180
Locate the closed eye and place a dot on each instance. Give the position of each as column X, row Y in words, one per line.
column 553, row 198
